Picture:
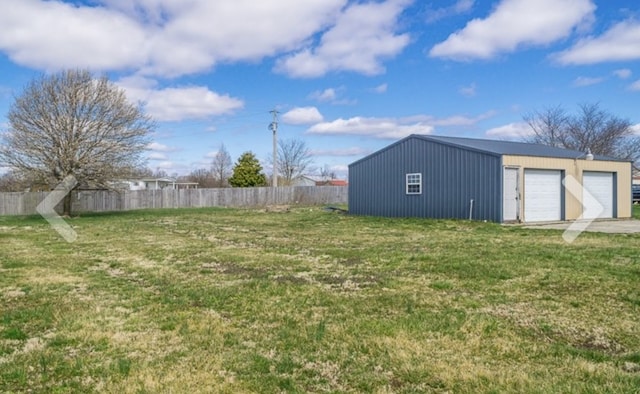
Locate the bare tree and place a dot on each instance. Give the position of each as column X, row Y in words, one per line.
column 602, row 132
column 13, row 182
column 141, row 172
column 160, row 173
column 326, row 173
column 70, row 124
column 203, row 177
column 548, row 126
column 221, row 167
column 294, row 158
column 592, row 128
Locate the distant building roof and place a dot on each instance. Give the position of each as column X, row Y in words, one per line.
column 332, row 182
column 156, row 179
column 513, row 148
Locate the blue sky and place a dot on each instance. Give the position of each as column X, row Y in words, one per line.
column 348, row 77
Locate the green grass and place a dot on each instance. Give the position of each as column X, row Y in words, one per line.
column 224, row 300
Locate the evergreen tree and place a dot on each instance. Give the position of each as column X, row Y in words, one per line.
column 247, row 172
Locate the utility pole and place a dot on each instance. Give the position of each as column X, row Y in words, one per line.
column 274, row 127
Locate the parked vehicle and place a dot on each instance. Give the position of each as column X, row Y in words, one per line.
column 636, row 193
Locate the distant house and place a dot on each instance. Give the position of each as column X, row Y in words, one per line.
column 501, row 181
column 307, row 180
column 332, row 182
column 303, row 180
column 156, row 184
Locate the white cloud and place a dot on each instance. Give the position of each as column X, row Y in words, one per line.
column 363, row 35
column 52, row 35
column 175, row 104
column 623, row 73
column 157, row 156
column 329, row 94
column 165, row 165
column 341, row 170
column 511, row 131
column 161, row 37
column 373, row 127
column 460, row 7
column 158, row 147
column 201, row 164
column 620, row 43
column 636, row 129
column 203, row 32
column 587, row 81
column 635, row 86
column 382, row 88
column 197, row 102
column 514, row 23
column 302, row 115
column 355, row 151
column 468, row 91
column 450, row 121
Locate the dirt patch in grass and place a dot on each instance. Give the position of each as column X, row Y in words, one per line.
column 235, row 269
column 559, row 326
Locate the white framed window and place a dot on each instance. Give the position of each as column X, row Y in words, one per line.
column 414, row 183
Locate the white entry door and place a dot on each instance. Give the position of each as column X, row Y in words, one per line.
column 597, row 196
column 510, row 195
column 542, row 195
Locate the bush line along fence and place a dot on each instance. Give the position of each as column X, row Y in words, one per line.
column 106, row 201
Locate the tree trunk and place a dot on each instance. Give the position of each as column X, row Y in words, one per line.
column 66, row 205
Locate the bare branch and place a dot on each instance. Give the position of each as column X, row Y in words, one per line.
column 294, row 159
column 548, row 125
column 592, row 128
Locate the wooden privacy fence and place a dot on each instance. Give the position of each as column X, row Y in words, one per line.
column 104, row 201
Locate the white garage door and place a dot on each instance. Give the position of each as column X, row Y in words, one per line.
column 597, row 199
column 542, row 195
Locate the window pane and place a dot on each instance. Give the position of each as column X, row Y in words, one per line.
column 414, row 183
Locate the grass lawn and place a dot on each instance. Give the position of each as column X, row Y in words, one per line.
column 225, row 300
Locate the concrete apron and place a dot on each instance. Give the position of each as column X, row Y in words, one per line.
column 622, row 226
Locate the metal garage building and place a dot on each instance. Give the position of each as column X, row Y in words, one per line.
column 501, row 181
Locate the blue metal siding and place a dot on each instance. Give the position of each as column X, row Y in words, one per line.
column 451, row 178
